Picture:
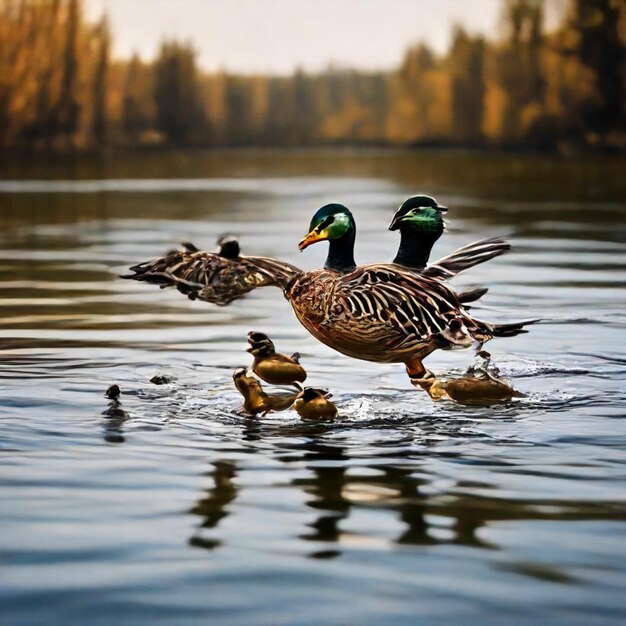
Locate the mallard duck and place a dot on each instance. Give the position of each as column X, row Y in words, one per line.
column 420, row 222
column 255, row 400
column 271, row 366
column 381, row 313
column 314, row 404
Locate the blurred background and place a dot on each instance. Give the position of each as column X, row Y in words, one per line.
column 91, row 74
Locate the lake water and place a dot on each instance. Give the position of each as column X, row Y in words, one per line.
column 174, row 509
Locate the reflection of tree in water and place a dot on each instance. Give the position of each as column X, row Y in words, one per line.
column 335, row 488
column 336, row 493
column 326, row 485
column 213, row 507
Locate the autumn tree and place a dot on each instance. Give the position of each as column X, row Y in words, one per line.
column 102, row 41
column 467, row 85
column 600, row 30
column 518, row 67
column 69, row 107
column 179, row 115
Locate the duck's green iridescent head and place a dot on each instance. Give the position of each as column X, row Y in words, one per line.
column 332, row 221
column 419, row 213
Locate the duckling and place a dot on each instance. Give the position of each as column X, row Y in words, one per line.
column 255, row 400
column 475, row 391
column 271, row 366
column 161, row 379
column 481, row 385
column 113, row 392
column 114, row 409
column 313, row 404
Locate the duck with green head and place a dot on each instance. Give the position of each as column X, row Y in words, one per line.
column 420, row 222
column 333, row 223
column 383, row 312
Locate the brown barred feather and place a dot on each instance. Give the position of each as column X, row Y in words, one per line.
column 468, row 256
column 212, row 278
column 382, row 313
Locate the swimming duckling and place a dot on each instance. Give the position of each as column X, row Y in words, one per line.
column 481, row 385
column 313, row 404
column 255, row 400
column 476, row 391
column 271, row 366
column 114, row 409
column 113, row 392
column 161, row 379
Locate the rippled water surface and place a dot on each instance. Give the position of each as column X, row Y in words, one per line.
column 173, row 508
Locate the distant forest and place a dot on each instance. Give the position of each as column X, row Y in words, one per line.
column 60, row 89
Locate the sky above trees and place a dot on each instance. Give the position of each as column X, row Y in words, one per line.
column 276, row 36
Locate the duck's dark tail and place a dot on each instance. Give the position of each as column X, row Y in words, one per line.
column 512, row 329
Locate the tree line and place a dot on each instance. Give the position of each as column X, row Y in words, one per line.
column 60, row 89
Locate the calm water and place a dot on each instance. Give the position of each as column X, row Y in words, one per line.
column 175, row 509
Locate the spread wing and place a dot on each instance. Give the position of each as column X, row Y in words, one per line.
column 466, row 257
column 210, row 277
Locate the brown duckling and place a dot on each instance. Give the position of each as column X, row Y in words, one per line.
column 480, row 386
column 475, row 391
column 271, row 366
column 255, row 400
column 313, row 404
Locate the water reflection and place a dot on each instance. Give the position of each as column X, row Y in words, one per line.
column 112, row 426
column 326, row 484
column 213, row 507
column 336, row 489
